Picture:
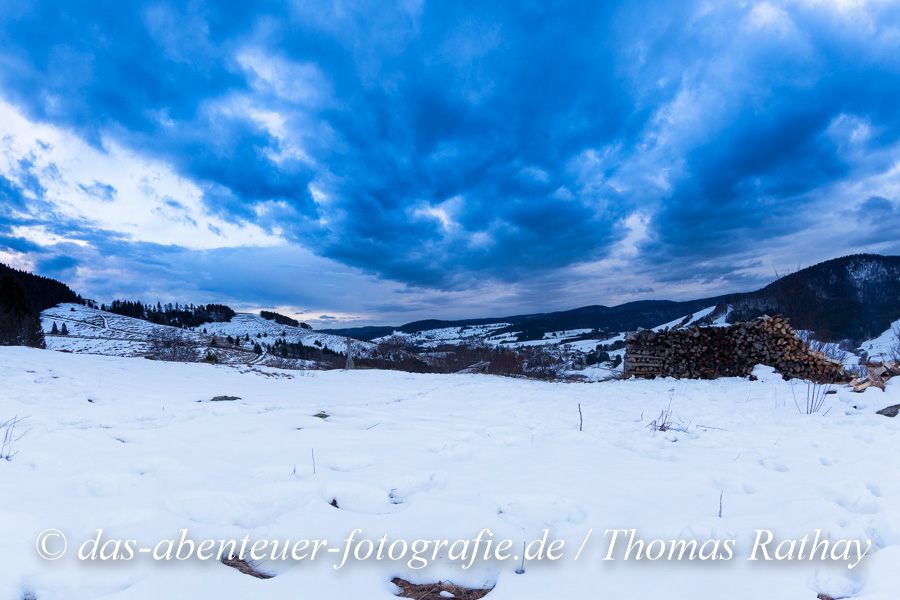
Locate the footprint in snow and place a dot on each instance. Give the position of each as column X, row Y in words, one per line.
column 826, row 462
column 406, row 486
column 453, row 450
column 345, row 464
column 773, row 465
column 358, row 498
column 859, row 504
column 540, row 509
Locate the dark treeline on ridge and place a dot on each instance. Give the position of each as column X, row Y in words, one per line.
column 176, row 315
column 281, row 319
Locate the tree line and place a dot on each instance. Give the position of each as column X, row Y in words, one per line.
column 23, row 296
column 175, row 315
column 281, row 319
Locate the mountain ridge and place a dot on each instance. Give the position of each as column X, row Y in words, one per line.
column 850, row 297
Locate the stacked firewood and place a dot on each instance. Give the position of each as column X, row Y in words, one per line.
column 876, row 375
column 708, row 352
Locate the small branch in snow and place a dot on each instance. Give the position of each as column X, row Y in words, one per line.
column 521, row 568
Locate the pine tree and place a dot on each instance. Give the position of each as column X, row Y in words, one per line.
column 64, row 330
column 257, row 348
column 55, row 329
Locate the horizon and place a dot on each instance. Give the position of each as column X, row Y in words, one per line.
column 337, row 326
column 378, row 164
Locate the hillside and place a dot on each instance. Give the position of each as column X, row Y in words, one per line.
column 93, row 331
column 625, row 317
column 854, row 297
column 850, row 298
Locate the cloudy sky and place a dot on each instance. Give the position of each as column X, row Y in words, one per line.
column 380, row 162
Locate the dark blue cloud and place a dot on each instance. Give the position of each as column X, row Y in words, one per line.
column 10, row 195
column 441, row 145
column 779, row 132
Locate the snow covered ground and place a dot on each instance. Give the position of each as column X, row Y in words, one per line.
column 138, row 449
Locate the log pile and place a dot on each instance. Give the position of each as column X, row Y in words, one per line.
column 709, row 352
column 876, row 375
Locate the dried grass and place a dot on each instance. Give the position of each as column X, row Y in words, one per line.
column 242, row 566
column 432, row 591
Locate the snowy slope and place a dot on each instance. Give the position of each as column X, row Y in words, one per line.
column 93, row 331
column 136, row 448
column 431, row 338
column 885, row 346
column 686, row 320
column 485, row 333
column 99, row 332
column 249, row 324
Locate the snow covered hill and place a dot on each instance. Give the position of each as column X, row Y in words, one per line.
column 139, row 450
column 94, row 331
column 254, row 326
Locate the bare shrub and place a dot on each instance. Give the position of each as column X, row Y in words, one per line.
column 170, row 346
column 10, row 437
column 830, row 350
column 667, row 420
column 816, row 394
column 895, row 345
column 393, row 348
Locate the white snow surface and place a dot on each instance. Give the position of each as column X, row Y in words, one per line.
column 137, row 449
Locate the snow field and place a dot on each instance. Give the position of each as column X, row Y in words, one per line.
column 136, row 448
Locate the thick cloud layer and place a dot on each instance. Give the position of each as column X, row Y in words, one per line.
column 649, row 148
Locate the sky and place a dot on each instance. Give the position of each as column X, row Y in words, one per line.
column 379, row 162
